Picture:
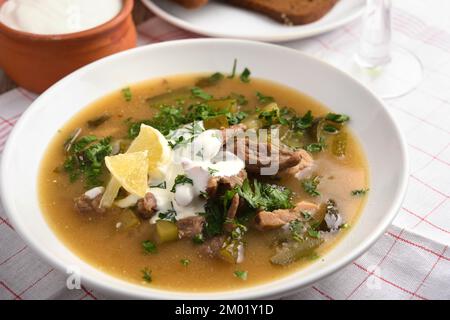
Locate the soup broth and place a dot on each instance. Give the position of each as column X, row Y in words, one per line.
column 176, row 265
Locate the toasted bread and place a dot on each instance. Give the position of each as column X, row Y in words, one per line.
column 191, row 4
column 290, row 12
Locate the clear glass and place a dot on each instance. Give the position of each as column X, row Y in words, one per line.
column 387, row 70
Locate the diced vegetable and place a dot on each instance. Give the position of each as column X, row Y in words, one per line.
column 166, row 231
column 288, row 252
column 128, row 220
column 253, row 122
column 339, row 146
column 233, row 248
column 183, row 93
column 224, row 104
column 217, row 122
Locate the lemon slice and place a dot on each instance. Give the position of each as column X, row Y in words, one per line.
column 130, row 170
column 159, row 152
column 155, row 143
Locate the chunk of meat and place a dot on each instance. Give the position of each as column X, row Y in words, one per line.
column 304, row 168
column 190, row 227
column 267, row 220
column 86, row 204
column 263, row 158
column 231, row 213
column 146, row 207
column 211, row 248
column 218, row 185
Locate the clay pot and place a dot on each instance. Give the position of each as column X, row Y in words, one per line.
column 35, row 62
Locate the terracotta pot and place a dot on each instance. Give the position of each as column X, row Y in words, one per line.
column 35, row 62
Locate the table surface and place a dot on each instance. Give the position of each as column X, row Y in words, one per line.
column 140, row 14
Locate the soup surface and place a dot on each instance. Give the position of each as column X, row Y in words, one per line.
column 127, row 243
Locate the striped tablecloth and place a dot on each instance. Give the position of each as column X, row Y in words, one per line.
column 410, row 261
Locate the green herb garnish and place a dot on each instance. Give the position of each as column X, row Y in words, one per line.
column 127, row 95
column 241, row 274
column 185, row 262
column 181, row 179
column 233, row 71
column 198, row 239
column 338, row 118
column 264, row 99
column 245, row 75
column 310, row 186
column 86, row 158
column 149, row 247
column 360, row 192
column 316, row 147
column 146, row 275
column 199, row 93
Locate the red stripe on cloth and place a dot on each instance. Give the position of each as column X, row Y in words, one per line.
column 35, row 282
column 430, row 213
column 435, row 157
column 425, row 220
column 16, row 296
column 378, row 264
column 4, row 120
column 12, row 256
column 322, row 293
column 417, row 246
column 431, row 124
column 26, row 94
column 389, row 282
column 429, row 186
column 429, row 272
column 6, row 222
column 88, row 293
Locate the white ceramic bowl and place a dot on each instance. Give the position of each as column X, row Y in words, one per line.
column 380, row 137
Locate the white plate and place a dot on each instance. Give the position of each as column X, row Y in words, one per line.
column 371, row 122
column 218, row 19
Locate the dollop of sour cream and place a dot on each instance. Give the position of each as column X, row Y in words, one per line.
column 52, row 17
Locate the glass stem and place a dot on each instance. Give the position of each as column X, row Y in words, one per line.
column 375, row 43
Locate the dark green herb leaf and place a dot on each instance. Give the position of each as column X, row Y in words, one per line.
column 233, row 71
column 245, row 75
column 149, row 247
column 302, row 123
column 146, row 275
column 310, row 186
column 181, row 179
column 94, row 123
column 127, row 95
column 211, row 80
column 199, row 93
column 360, row 192
column 198, row 238
column 185, row 262
column 338, row 118
column 264, row 99
column 330, row 128
column 241, row 274
column 317, row 147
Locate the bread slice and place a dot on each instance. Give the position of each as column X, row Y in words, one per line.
column 191, row 4
column 290, row 12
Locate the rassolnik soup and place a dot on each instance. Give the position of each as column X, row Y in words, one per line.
column 203, row 183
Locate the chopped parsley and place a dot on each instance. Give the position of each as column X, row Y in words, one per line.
column 265, row 196
column 86, row 158
column 211, row 80
column 127, row 95
column 313, row 233
column 181, row 179
column 241, row 274
column 245, row 75
column 185, row 262
column 360, row 192
column 147, row 275
column 302, row 123
column 212, row 171
column 317, row 147
column 328, row 128
column 198, row 239
column 170, row 215
column 240, row 98
column 161, row 185
column 338, row 118
column 264, row 99
column 270, row 117
column 310, row 186
column 149, row 247
column 296, row 228
column 199, row 93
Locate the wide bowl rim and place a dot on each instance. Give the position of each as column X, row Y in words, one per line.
column 98, row 30
column 245, row 293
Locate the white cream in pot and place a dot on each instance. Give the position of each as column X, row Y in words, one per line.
column 52, row 17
